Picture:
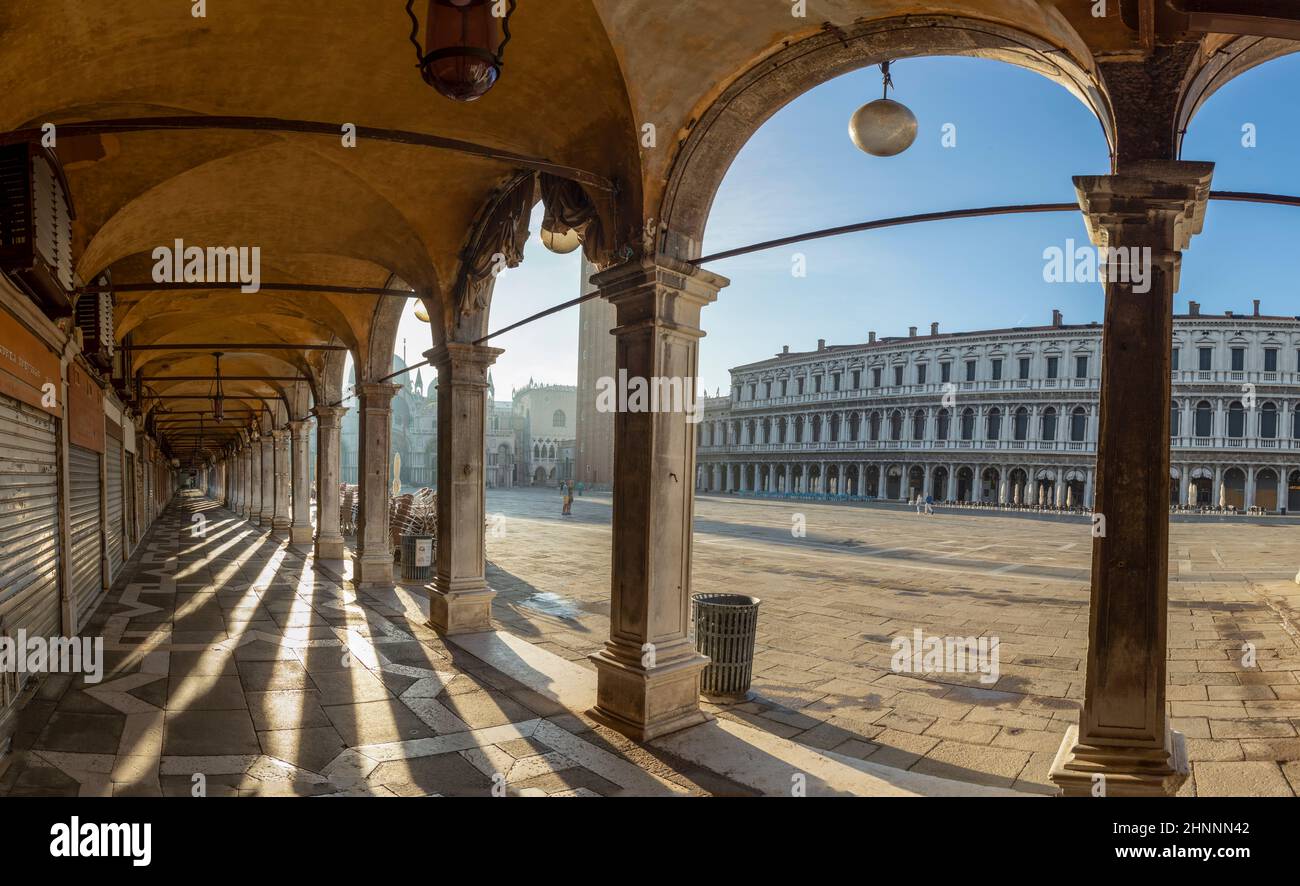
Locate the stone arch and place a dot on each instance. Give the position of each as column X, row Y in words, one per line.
column 731, row 119
column 1219, row 68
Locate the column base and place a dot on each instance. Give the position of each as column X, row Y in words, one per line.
column 644, row 704
column 466, row 611
column 374, row 571
column 281, row 523
column 330, row 549
column 1124, row 771
column 301, row 535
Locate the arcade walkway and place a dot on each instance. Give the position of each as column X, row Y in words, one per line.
column 236, row 666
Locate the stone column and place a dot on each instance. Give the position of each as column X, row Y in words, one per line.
column 648, row 674
column 1123, row 737
column 266, row 459
column 460, row 600
column 254, row 507
column 329, row 539
column 372, row 562
column 280, row 519
column 233, row 503
column 300, row 505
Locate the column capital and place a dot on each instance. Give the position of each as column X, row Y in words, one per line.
column 375, row 390
column 329, row 416
column 665, row 292
column 299, row 427
column 465, row 362
column 1164, row 198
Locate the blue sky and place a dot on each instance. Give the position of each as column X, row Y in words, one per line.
column 1020, row 139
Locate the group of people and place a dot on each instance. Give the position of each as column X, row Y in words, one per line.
column 925, row 505
column 566, row 496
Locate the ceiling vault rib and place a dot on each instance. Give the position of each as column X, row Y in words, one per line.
column 251, row 346
column 310, row 127
column 236, row 285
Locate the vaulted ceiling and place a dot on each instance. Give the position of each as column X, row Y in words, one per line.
column 581, row 80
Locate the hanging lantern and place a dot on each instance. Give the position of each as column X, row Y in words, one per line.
column 218, row 395
column 884, row 127
column 464, row 45
column 559, row 239
column 421, row 314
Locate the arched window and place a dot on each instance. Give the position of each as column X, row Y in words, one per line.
column 816, row 428
column 875, row 426
column 1204, row 419
column 1236, row 420
column 835, row 428
column 896, row 425
column 1175, row 419
column 993, row 424
column 918, row 425
column 558, row 420
column 855, row 426
column 1049, row 425
column 968, row 424
column 1078, row 425
column 537, row 451
column 551, row 456
column 1295, row 424
column 798, row 429
column 943, row 422
column 1268, row 421
column 1021, row 427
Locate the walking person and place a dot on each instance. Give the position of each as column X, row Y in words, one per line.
column 568, row 503
column 929, row 505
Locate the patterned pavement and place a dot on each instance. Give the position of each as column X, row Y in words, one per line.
column 834, row 598
column 235, row 666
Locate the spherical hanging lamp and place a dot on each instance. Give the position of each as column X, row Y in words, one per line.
column 884, row 127
column 561, row 242
column 464, row 45
column 421, row 314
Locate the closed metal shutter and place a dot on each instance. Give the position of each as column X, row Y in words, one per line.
column 132, row 529
column 86, row 531
column 113, row 496
column 29, row 532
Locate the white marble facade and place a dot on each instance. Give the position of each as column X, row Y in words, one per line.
column 1007, row 416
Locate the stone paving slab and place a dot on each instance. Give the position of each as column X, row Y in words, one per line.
column 236, row 667
column 834, row 599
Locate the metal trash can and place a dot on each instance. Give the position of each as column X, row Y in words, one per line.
column 417, row 557
column 726, row 626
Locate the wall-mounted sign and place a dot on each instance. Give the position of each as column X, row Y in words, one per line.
column 85, row 410
column 29, row 371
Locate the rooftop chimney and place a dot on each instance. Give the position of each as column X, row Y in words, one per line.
column 934, row 328
column 1194, row 308
column 821, row 344
column 1256, row 307
column 911, row 332
column 871, row 338
column 785, row 349
column 1227, row 313
column 1058, row 319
